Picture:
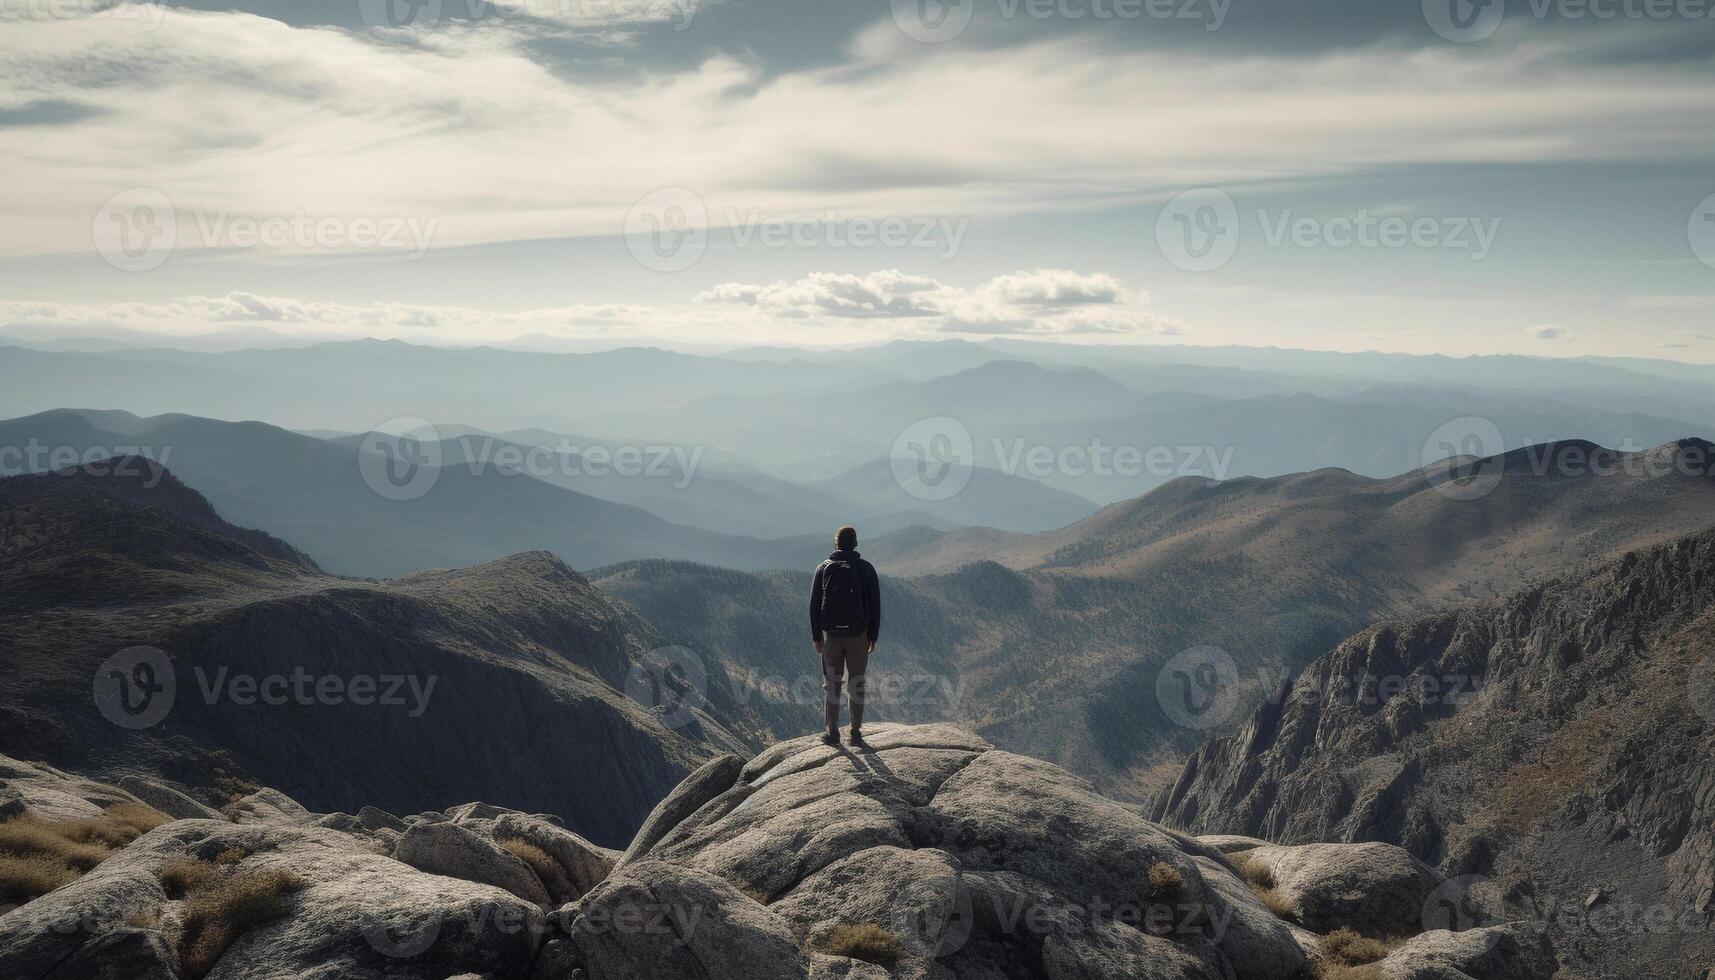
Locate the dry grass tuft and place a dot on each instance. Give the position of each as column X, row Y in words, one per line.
column 231, row 856
column 1165, row 881
column 221, row 903
column 69, row 842
column 38, row 856
column 551, row 873
column 1349, row 948
column 1256, row 872
column 1261, row 879
column 182, row 876
column 23, row 877
column 865, row 941
column 137, row 817
column 1346, row 955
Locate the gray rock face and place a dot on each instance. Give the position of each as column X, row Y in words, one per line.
column 1560, row 740
column 584, row 864
column 932, row 857
column 652, row 919
column 269, row 806
column 958, row 859
column 710, row 780
column 457, row 852
column 45, row 792
column 373, row 818
column 359, row 915
column 168, row 800
column 1512, row 952
column 1375, row 889
column 915, row 894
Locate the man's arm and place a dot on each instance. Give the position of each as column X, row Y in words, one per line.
column 816, row 606
column 872, row 585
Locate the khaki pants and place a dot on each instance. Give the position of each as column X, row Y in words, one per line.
column 843, row 656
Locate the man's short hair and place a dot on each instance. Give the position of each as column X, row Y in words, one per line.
column 845, row 538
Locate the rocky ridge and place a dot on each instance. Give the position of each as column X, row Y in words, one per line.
column 934, row 855
column 1551, row 749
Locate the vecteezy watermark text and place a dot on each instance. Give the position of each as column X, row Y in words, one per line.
column 425, row 14
column 1200, row 230
column 668, row 229
column 138, row 229
column 138, row 687
column 934, row 21
column 127, row 461
column 934, row 459
column 403, row 459
column 1201, row 687
column 1468, row 21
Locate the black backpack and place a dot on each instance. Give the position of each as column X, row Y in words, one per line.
column 843, row 612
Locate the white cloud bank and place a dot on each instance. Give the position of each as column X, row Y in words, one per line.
column 1038, row 301
column 821, row 307
column 468, row 125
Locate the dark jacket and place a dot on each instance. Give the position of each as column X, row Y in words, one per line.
column 871, row 594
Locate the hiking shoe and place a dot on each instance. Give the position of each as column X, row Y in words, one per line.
column 857, row 740
column 830, row 738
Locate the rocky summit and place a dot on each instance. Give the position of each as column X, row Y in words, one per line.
column 931, row 855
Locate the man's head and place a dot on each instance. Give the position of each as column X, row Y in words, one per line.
column 845, row 539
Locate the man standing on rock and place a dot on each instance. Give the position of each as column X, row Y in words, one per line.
column 845, row 618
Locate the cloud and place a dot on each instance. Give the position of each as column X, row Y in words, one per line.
column 1548, row 331
column 834, row 303
column 1040, row 301
column 189, row 315
column 600, row 13
column 1055, row 287
column 889, row 293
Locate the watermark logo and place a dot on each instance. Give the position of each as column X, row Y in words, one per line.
column 1462, row 457
column 1457, row 904
column 933, row 21
column 138, row 230
column 933, row 458
column 832, row 229
column 1464, row 21
column 392, row 15
column 1700, row 231
column 670, row 681
column 401, row 460
column 935, row 916
column 398, row 14
column 135, row 688
column 1097, row 459
column 300, row 687
column 408, row 937
column 1198, row 230
column 135, row 230
column 1198, row 688
column 482, row 454
column 667, row 230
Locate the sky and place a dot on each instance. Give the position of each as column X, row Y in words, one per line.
column 1437, row 176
